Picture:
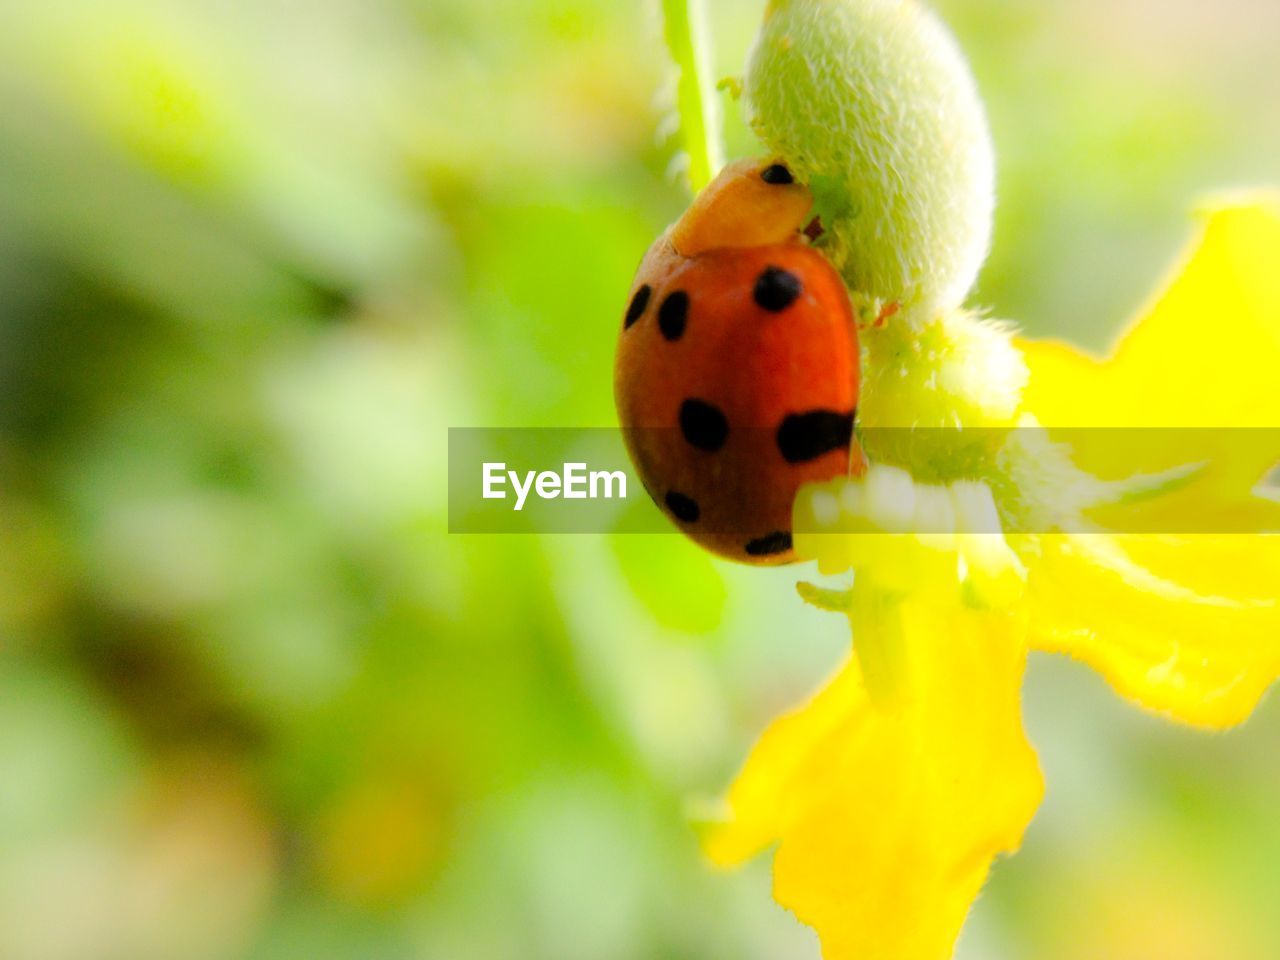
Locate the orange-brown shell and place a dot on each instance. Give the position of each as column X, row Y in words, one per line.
column 741, row 208
column 736, row 381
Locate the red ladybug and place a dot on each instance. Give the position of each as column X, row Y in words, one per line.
column 737, row 369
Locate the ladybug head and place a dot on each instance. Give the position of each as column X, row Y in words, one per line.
column 752, row 203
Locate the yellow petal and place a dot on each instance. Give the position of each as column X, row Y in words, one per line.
column 1187, row 626
column 1203, row 354
column 1196, row 375
column 887, row 820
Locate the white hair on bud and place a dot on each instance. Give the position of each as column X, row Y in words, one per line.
column 873, row 103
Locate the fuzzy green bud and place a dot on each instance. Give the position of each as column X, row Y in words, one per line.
column 873, row 104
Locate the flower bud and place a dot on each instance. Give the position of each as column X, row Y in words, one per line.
column 872, row 103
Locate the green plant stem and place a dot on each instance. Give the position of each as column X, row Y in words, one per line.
column 685, row 29
column 879, row 641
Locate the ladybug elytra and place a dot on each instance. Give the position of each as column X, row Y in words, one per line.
column 737, row 370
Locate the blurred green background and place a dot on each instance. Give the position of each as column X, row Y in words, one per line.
column 257, row 255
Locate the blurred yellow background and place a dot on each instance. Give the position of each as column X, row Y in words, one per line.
column 257, row 255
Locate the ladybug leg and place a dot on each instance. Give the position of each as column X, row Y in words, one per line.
column 887, row 310
column 858, row 462
column 875, row 314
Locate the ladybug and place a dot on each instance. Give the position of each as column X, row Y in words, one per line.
column 737, row 370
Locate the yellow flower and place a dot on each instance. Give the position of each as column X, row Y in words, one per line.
column 890, row 793
column 1187, row 625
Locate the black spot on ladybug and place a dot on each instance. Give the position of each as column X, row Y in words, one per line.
column 767, row 546
column 685, row 509
column 673, row 315
column 703, row 425
column 777, row 174
column 776, row 289
column 807, row 436
column 638, row 304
